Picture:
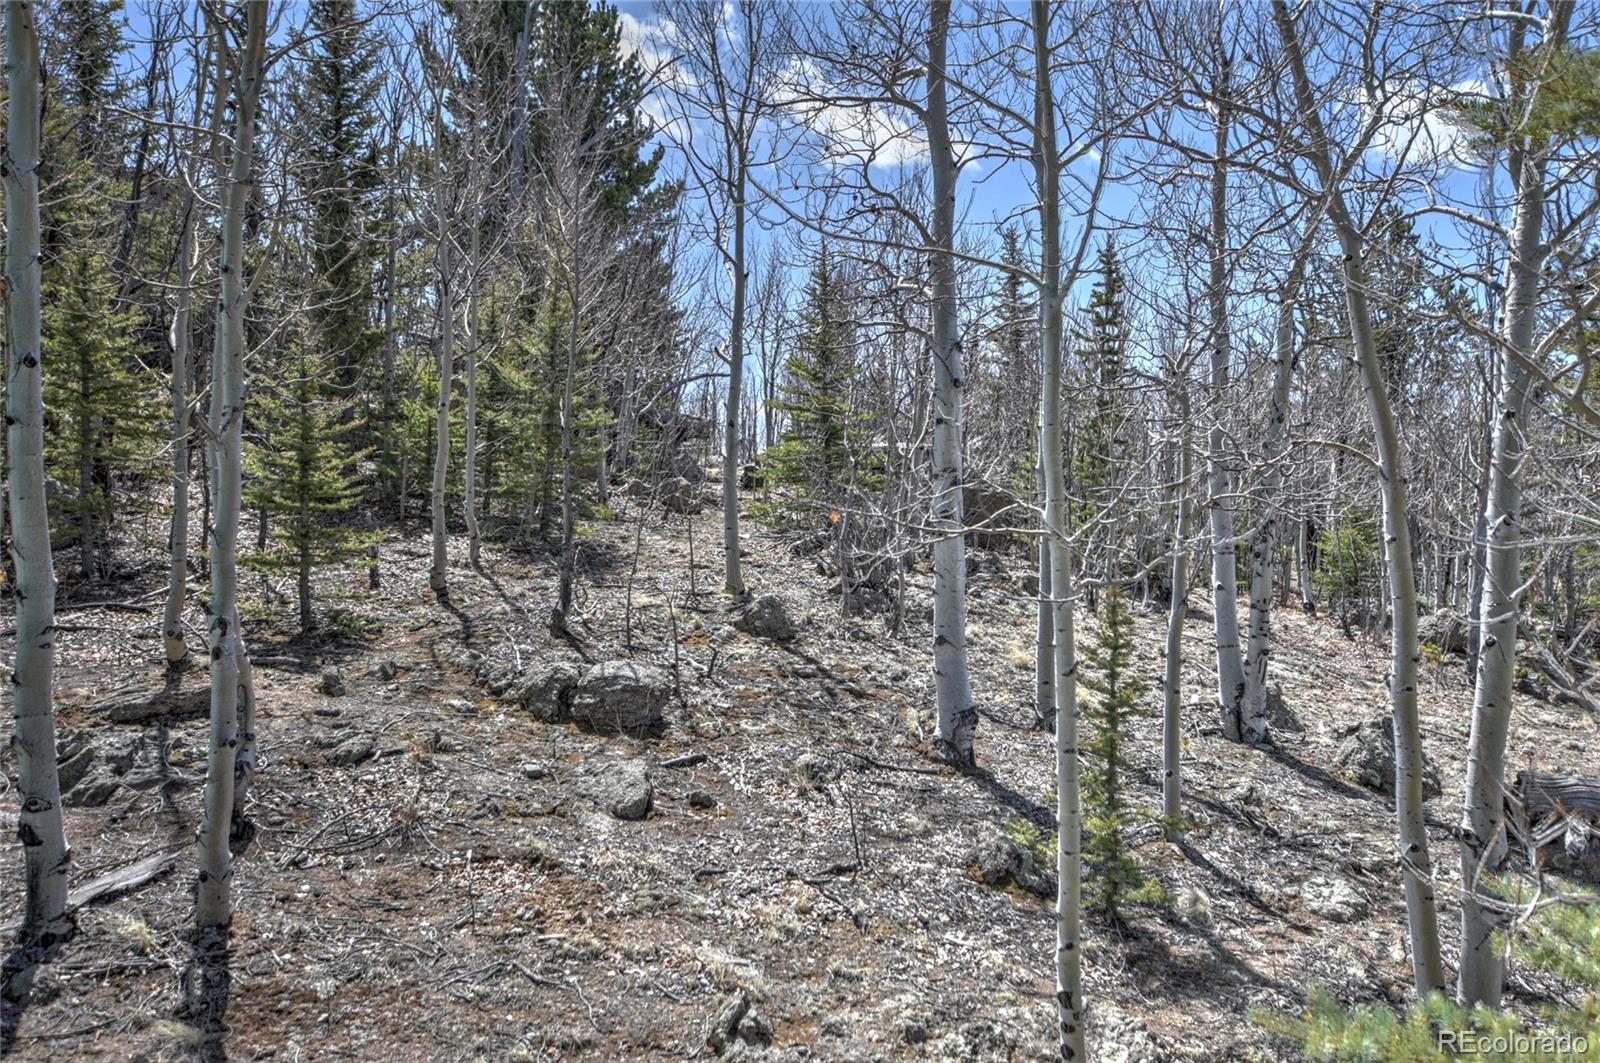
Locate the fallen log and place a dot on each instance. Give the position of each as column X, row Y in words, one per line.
column 142, row 704
column 1554, row 808
column 116, row 881
column 1542, row 792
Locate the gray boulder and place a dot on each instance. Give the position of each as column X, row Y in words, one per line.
column 621, row 697
column 1366, row 755
column 1334, row 899
column 1001, row 861
column 331, row 683
column 354, row 750
column 678, row 495
column 620, row 787
column 546, row 689
column 766, row 618
column 1445, row 629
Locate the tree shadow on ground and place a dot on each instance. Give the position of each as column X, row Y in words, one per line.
column 17, row 972
column 207, row 984
column 1315, row 775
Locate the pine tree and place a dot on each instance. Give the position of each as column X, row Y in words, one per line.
column 304, row 477
column 1103, row 349
column 103, row 404
column 342, row 178
column 813, row 450
column 1118, row 691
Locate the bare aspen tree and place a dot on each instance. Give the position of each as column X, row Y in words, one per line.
column 723, row 82
column 1264, row 539
column 44, row 841
column 1070, row 1009
column 240, row 70
column 1177, row 610
column 1528, row 65
column 1416, row 866
column 957, row 716
column 180, row 338
column 439, row 72
column 1219, row 501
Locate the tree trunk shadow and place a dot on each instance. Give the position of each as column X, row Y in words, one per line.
column 16, row 980
column 207, row 982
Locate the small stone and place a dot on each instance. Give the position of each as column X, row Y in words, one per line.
column 329, row 711
column 331, row 683
column 621, row 787
column 813, row 771
column 352, row 751
column 1194, row 905
column 701, row 799
column 534, row 771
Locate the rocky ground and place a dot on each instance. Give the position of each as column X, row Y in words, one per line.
column 698, row 833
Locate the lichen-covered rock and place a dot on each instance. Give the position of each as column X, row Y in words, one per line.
column 546, row 689
column 813, row 771
column 354, row 750
column 1334, row 899
column 678, row 495
column 976, row 1042
column 766, row 618
column 621, row 697
column 331, row 683
column 1366, row 755
column 1279, row 716
column 620, row 787
column 1003, row 861
column 1114, row 1036
column 1445, row 629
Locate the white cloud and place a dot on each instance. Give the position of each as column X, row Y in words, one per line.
column 871, row 133
column 1417, row 124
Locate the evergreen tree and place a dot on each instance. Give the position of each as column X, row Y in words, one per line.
column 813, row 450
column 342, row 178
column 104, row 406
column 1102, row 346
column 1118, row 691
column 303, row 475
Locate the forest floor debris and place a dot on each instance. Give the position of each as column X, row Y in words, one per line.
column 440, row 873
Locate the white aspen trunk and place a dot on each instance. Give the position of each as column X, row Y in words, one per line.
column 1302, row 561
column 1044, row 667
column 180, row 339
column 469, row 460
column 957, row 716
column 213, row 906
column 1172, row 673
column 437, row 572
column 1483, row 845
column 1264, row 542
column 1224, row 571
column 569, row 386
column 1415, row 863
column 44, row 841
column 1070, row 1004
column 733, row 581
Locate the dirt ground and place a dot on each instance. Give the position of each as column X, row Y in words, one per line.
column 430, row 882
